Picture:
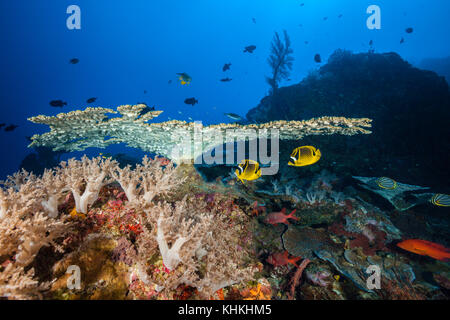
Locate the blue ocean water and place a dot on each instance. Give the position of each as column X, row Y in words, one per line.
column 126, row 47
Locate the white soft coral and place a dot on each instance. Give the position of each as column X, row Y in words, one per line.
column 92, row 174
column 3, row 204
column 170, row 256
column 53, row 186
column 148, row 180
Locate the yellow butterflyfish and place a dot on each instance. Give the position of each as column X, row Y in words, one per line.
column 304, row 156
column 248, row 170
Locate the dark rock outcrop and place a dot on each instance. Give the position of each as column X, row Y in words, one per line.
column 439, row 65
column 410, row 109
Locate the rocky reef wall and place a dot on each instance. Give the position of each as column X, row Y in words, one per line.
column 410, row 109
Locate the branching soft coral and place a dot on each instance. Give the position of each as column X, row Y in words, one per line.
column 43, row 192
column 177, row 226
column 198, row 246
column 280, row 60
column 52, row 186
column 148, row 180
column 20, row 195
column 200, row 243
column 25, row 227
column 15, row 283
column 85, row 178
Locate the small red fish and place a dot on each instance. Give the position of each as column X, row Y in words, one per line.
column 275, row 218
column 426, row 248
column 281, row 259
column 257, row 209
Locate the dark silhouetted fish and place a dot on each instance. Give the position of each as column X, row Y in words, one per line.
column 325, row 18
column 145, row 91
column 302, row 4
column 317, row 58
column 340, row 16
column 409, row 30
column 192, row 101
column 74, row 61
column 226, row 66
column 2, row 125
column 254, row 20
column 226, row 80
column 58, row 103
column 306, row 42
column 11, row 127
column 402, row 40
column 90, row 100
column 146, row 109
column 250, row 49
column 370, row 42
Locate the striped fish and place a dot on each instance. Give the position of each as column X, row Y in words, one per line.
column 248, row 170
column 304, row 156
column 442, row 200
column 386, row 183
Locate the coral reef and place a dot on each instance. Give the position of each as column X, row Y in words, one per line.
column 27, row 223
column 201, row 254
column 143, row 237
column 78, row 130
column 130, row 231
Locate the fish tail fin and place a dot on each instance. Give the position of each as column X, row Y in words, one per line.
column 294, row 261
column 291, row 215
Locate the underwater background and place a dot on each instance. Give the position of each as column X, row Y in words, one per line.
column 133, row 52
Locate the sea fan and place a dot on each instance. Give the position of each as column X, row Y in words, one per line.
column 280, row 60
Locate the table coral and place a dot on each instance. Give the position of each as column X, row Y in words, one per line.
column 177, row 140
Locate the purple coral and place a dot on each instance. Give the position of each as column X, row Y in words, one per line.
column 318, row 278
column 124, row 252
